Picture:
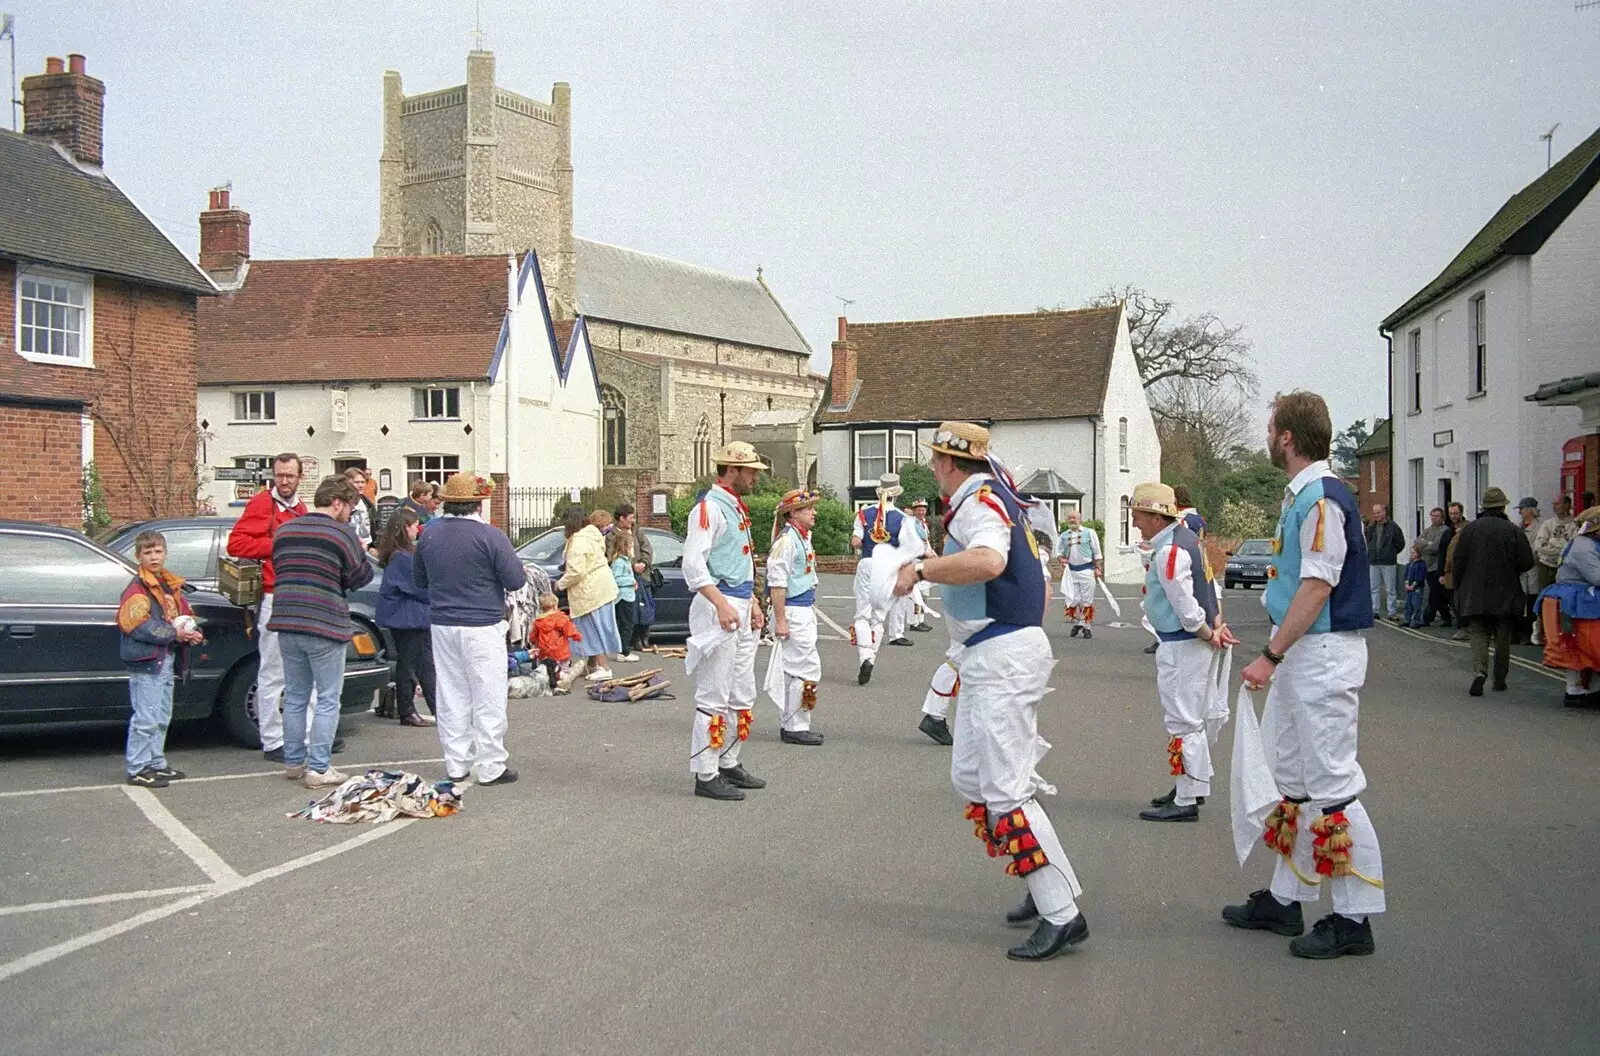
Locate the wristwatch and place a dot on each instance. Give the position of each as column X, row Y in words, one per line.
column 917, row 568
column 1275, row 658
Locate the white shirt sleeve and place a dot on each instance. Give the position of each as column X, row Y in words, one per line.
column 778, row 562
column 978, row 524
column 858, row 526
column 697, row 544
column 909, row 539
column 1176, row 573
column 1322, row 549
column 1094, row 543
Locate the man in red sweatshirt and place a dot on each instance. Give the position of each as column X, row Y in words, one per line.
column 252, row 538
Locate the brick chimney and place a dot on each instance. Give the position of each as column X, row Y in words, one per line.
column 224, row 239
column 67, row 105
column 843, row 375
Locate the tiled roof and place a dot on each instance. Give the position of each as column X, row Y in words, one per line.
column 1050, row 483
column 1378, row 441
column 56, row 212
column 981, row 368
column 1566, row 387
column 625, row 286
column 1519, row 228
column 361, row 319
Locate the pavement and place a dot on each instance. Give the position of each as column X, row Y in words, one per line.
column 597, row 906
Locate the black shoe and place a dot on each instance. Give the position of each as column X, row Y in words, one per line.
column 1152, row 647
column 1171, row 812
column 507, row 777
column 1477, row 686
column 902, row 640
column 1087, row 633
column 170, row 774
column 463, row 779
column 799, row 737
column 1264, row 913
column 920, row 627
column 739, row 777
column 147, row 778
column 716, row 788
column 1581, row 700
column 1499, row 685
column 337, row 746
column 1024, row 914
column 1172, row 797
column 936, row 728
column 865, row 674
column 1335, row 936
column 1050, row 939
column 1077, row 629
column 274, row 756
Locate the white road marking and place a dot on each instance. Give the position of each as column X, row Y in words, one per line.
column 182, row 837
column 825, row 618
column 1529, row 665
column 149, row 916
column 278, row 773
column 97, row 900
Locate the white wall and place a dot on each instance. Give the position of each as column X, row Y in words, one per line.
column 1566, row 337
column 832, row 448
column 1125, row 398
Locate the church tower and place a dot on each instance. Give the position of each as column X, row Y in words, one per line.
column 478, row 169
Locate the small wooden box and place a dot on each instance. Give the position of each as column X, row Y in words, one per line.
column 239, row 580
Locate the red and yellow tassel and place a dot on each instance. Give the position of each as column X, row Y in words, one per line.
column 978, row 814
column 1282, row 825
column 808, row 695
column 1175, row 755
column 746, row 717
column 1331, row 843
column 718, row 731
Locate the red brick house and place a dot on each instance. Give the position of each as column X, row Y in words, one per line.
column 1372, row 461
column 97, row 353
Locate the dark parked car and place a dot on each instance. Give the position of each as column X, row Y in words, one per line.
column 548, row 551
column 59, row 660
column 1248, row 565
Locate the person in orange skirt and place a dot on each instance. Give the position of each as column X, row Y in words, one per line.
column 1569, row 613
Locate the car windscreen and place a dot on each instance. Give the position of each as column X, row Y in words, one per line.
column 1255, row 548
column 188, row 550
column 545, row 547
column 665, row 548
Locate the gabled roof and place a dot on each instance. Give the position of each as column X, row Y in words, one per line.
column 1378, row 442
column 1565, row 390
column 59, row 212
column 1049, row 483
column 1519, row 228
column 980, row 368
column 626, row 286
column 358, row 319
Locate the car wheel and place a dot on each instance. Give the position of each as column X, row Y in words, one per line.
column 236, row 706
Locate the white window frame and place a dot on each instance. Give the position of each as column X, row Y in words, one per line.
column 264, row 396
column 1372, row 475
column 1478, row 345
column 1416, row 495
column 423, row 471
column 1479, row 461
column 85, row 357
column 422, row 398
column 1414, row 367
column 895, row 457
column 1122, row 444
column 855, row 456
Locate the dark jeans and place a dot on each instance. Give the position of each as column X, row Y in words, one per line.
column 1438, row 600
column 626, row 610
column 413, row 665
column 1481, row 628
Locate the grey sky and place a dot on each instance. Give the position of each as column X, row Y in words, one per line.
column 1300, row 171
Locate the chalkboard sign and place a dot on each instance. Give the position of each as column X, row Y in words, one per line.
column 386, row 504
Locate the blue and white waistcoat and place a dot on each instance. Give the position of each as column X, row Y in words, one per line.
column 802, row 586
column 1157, row 607
column 891, row 524
column 1015, row 598
column 1349, row 607
column 730, row 558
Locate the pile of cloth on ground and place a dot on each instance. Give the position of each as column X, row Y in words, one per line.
column 383, row 795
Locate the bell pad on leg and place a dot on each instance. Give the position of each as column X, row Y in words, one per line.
column 808, row 695
column 746, row 718
column 1282, row 825
column 1014, row 836
column 1175, row 756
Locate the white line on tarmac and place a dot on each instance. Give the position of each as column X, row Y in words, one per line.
column 825, row 618
column 1529, row 665
column 182, row 837
column 149, row 916
column 278, row 773
column 98, row 900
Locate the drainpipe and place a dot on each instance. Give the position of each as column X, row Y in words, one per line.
column 1388, row 501
column 1094, row 471
column 513, row 400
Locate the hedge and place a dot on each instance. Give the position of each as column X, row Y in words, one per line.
column 831, row 536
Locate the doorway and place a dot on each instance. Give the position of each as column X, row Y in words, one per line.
column 1445, row 494
column 342, row 464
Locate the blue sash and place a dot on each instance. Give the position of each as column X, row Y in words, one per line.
column 1082, row 568
column 994, row 630
column 808, row 598
column 743, row 590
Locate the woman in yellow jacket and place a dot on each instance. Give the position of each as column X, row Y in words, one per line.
column 591, row 594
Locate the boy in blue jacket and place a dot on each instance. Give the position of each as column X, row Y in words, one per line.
column 154, row 618
column 1416, row 587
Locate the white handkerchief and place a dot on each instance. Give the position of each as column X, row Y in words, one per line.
column 1252, row 788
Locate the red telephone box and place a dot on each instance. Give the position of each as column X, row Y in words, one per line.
column 1574, row 476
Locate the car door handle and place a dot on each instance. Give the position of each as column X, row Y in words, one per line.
column 21, row 630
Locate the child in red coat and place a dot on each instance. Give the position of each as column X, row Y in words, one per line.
column 553, row 630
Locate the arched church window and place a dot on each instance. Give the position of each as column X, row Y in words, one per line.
column 433, row 238
column 702, row 447
column 614, row 409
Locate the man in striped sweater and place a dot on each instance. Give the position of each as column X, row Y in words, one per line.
column 318, row 560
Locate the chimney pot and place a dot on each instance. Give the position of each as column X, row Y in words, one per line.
column 54, row 65
column 843, row 323
column 75, row 63
column 68, row 106
column 224, row 238
column 219, row 198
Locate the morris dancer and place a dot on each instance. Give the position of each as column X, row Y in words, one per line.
column 795, row 668
column 994, row 600
column 1216, row 561
column 919, row 611
column 1316, row 662
column 877, row 525
column 723, row 625
column 1080, row 551
column 1569, row 611
column 1180, row 606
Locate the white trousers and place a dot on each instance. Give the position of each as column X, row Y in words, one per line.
column 945, row 684
column 724, row 689
column 794, row 663
column 1308, row 731
column 1183, row 679
column 1077, row 595
column 470, row 698
column 894, row 625
column 269, row 683
column 869, row 625
column 998, row 748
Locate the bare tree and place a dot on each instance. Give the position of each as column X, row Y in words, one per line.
column 1199, row 348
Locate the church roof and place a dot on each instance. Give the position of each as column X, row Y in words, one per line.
column 358, row 319
column 626, row 286
column 60, row 212
column 979, row 368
